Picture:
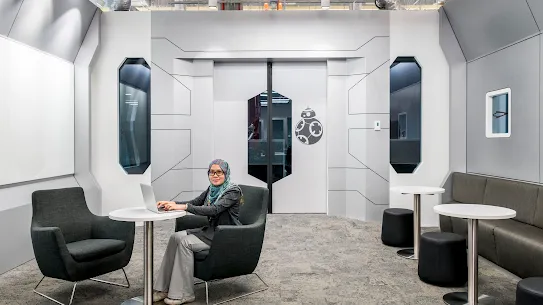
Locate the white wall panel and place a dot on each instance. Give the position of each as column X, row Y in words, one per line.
column 36, row 114
column 417, row 34
column 233, row 85
column 304, row 191
column 122, row 35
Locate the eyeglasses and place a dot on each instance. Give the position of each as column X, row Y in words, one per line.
column 213, row 173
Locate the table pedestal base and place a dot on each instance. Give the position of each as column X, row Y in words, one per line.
column 407, row 253
column 461, row 298
column 133, row 301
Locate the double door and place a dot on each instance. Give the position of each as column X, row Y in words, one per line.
column 269, row 120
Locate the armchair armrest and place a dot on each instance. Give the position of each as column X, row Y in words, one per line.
column 50, row 251
column 190, row 222
column 104, row 227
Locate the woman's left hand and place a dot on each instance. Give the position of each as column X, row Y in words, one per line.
column 172, row 206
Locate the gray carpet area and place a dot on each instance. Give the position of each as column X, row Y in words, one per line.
column 306, row 259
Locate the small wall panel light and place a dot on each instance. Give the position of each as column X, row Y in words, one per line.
column 325, row 4
column 212, row 4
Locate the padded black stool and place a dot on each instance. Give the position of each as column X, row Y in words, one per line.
column 397, row 229
column 443, row 260
column 530, row 291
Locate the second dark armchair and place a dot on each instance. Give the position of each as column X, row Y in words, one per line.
column 235, row 250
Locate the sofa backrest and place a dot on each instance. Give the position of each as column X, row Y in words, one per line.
column 525, row 198
column 519, row 196
column 468, row 188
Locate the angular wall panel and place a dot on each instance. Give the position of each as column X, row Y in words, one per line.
column 484, row 26
column 516, row 157
column 56, row 27
column 8, row 12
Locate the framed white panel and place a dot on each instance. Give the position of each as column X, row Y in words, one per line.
column 305, row 190
column 36, row 114
column 493, row 116
column 233, row 85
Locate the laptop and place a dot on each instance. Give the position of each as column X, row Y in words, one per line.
column 149, row 199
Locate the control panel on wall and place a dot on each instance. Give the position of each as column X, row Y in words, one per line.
column 377, row 125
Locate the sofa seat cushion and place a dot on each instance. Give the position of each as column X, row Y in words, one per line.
column 486, row 241
column 93, row 249
column 519, row 246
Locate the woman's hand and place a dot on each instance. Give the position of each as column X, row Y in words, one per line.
column 171, row 206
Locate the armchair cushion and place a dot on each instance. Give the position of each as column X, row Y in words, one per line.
column 93, row 249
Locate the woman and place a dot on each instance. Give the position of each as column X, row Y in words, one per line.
column 220, row 203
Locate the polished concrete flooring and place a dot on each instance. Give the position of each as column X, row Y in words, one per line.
column 306, row 259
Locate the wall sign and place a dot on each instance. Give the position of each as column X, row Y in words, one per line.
column 309, row 130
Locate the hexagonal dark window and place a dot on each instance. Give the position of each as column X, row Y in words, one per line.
column 281, row 131
column 135, row 115
column 405, row 115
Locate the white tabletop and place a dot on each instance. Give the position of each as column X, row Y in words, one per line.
column 474, row 211
column 420, row 190
column 143, row 214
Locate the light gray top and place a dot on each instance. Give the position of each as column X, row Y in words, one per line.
column 475, row 211
column 419, row 190
column 143, row 214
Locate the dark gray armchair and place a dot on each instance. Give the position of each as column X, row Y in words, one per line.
column 72, row 244
column 235, row 250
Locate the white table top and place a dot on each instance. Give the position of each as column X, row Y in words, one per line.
column 143, row 214
column 421, row 190
column 474, row 211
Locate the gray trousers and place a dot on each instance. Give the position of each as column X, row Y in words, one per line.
column 176, row 275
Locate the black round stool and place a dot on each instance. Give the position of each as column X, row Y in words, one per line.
column 530, row 291
column 397, row 230
column 443, row 260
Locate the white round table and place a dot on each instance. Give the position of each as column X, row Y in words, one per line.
column 416, row 191
column 472, row 212
column 147, row 217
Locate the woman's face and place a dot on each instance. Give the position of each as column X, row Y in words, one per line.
column 216, row 175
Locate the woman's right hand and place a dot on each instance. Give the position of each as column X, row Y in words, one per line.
column 161, row 204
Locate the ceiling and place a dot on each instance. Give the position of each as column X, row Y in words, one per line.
column 190, row 5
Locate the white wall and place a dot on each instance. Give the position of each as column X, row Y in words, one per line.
column 123, row 34
column 357, row 190
column 417, row 34
column 36, row 114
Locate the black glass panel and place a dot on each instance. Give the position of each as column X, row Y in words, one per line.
column 405, row 114
column 135, row 115
column 281, row 144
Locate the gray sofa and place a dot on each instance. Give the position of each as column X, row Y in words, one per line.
column 514, row 244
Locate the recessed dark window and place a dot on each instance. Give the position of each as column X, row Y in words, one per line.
column 405, row 115
column 135, row 115
column 281, row 144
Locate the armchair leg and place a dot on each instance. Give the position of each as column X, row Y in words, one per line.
column 127, row 285
column 50, row 298
column 75, row 284
column 238, row 297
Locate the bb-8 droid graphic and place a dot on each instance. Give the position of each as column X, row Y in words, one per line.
column 308, row 130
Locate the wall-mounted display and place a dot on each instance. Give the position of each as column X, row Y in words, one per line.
column 405, row 115
column 134, row 115
column 498, row 113
column 281, row 131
